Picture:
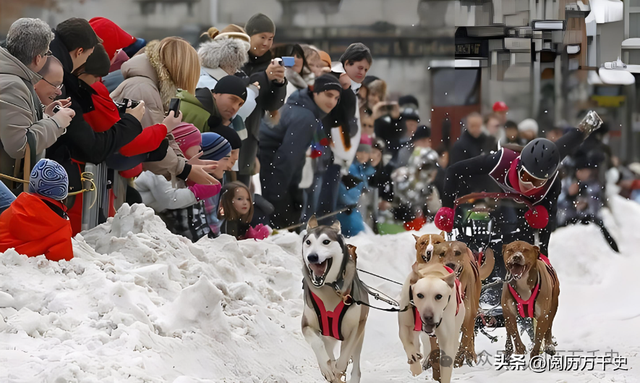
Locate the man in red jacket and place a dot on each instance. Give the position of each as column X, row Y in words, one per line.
column 36, row 222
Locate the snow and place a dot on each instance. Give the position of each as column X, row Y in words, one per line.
column 139, row 304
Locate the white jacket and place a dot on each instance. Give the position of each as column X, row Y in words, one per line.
column 158, row 193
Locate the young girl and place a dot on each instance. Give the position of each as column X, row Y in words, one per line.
column 236, row 212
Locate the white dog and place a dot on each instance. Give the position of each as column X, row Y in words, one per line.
column 331, row 286
column 434, row 296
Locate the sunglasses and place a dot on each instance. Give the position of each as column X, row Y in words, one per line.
column 525, row 176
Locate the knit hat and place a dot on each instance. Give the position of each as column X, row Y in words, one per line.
column 113, row 37
column 260, row 23
column 356, row 52
column 408, row 100
column 231, row 85
column 187, row 136
column 98, row 62
column 324, row 56
column 49, row 179
column 500, row 106
column 409, row 108
column 423, row 131
column 231, row 136
column 214, row 147
column 327, row 82
column 528, row 125
column 365, row 144
column 132, row 49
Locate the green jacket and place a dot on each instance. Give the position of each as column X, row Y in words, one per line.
column 197, row 109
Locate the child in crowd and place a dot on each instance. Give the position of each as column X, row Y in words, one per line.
column 215, row 148
column 236, row 212
column 359, row 172
column 181, row 208
column 36, row 222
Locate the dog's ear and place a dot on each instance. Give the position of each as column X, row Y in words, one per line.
column 336, row 226
column 416, row 237
column 443, row 235
column 415, row 274
column 504, row 248
column 536, row 249
column 352, row 252
column 470, row 254
column 313, row 222
column 450, row 279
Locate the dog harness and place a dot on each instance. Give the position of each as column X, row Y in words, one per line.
column 330, row 321
column 526, row 309
column 459, row 298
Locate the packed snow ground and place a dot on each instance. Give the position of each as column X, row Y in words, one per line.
column 139, row 304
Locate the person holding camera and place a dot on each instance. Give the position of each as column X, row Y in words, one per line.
column 270, row 75
column 26, row 53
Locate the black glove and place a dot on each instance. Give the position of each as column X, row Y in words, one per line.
column 160, row 153
column 350, row 181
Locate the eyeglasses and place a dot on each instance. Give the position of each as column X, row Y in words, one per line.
column 59, row 87
column 48, row 53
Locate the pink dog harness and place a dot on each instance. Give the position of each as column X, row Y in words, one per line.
column 526, row 309
column 459, row 298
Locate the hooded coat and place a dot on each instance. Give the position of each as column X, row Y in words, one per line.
column 148, row 80
column 21, row 112
column 32, row 228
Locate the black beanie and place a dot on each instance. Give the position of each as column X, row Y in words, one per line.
column 356, row 52
column 98, row 62
column 327, row 82
column 231, row 85
column 408, row 99
column 259, row 23
column 230, row 135
column 423, row 131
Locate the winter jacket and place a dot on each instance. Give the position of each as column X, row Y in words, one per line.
column 21, row 111
column 343, row 124
column 352, row 222
column 199, row 108
column 81, row 143
column 158, row 193
column 414, row 184
column 148, row 80
column 468, row 147
column 271, row 98
column 32, row 227
column 283, row 146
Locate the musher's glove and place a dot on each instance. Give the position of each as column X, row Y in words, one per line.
column 444, row 219
column 538, row 217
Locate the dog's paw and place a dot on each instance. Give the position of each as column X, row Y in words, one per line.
column 416, row 357
column 550, row 349
column 416, row 368
column 328, row 371
column 520, row 348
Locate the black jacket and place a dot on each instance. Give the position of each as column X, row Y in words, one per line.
column 468, row 147
column 80, row 142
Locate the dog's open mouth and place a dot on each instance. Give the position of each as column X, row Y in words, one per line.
column 318, row 271
column 429, row 329
column 516, row 270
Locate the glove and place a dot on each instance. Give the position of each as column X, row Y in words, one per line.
column 444, row 219
column 538, row 217
column 350, row 181
column 415, row 224
column 204, row 191
column 259, row 232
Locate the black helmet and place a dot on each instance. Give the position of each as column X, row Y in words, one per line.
column 540, row 158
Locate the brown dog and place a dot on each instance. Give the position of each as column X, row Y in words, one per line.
column 425, row 245
column 532, row 292
column 457, row 256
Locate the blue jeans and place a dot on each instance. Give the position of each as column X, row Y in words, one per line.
column 6, row 197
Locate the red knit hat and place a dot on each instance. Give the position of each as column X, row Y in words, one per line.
column 112, row 35
column 187, row 136
column 500, row 106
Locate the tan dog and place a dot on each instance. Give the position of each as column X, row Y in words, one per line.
column 457, row 256
column 436, row 295
column 532, row 292
column 425, row 245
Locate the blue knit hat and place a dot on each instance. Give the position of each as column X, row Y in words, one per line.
column 214, row 146
column 49, row 179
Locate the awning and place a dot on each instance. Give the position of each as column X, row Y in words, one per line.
column 616, row 77
column 606, row 11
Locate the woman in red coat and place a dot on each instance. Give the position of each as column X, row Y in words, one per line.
column 36, row 222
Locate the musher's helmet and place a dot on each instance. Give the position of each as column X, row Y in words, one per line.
column 540, row 158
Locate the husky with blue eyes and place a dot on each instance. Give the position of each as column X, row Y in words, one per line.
column 331, row 290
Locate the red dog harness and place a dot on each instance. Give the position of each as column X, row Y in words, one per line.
column 526, row 309
column 459, row 299
column 330, row 321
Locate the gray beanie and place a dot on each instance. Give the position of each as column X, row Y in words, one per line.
column 260, row 23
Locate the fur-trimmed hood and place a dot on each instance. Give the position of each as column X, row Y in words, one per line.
column 166, row 86
column 225, row 53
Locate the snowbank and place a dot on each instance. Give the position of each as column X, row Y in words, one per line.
column 138, row 304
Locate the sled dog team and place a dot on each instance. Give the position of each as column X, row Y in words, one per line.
column 439, row 302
